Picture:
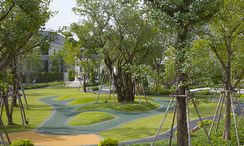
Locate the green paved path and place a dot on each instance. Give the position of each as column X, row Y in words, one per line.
column 56, row 124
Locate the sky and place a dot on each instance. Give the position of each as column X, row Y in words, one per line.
column 65, row 15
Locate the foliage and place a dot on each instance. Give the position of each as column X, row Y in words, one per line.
column 29, row 16
column 205, row 123
column 95, row 88
column 42, row 85
column 56, row 62
column 109, row 142
column 122, row 37
column 45, row 77
column 30, row 65
column 22, row 142
column 159, row 90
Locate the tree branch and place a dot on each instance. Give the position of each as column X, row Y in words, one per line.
column 9, row 10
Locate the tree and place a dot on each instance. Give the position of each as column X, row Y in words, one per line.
column 125, row 37
column 81, row 52
column 20, row 26
column 20, row 23
column 181, row 17
column 29, row 65
column 225, row 38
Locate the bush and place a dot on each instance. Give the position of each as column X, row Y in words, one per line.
column 159, row 91
column 109, row 142
column 92, row 84
column 41, row 85
column 205, row 122
column 45, row 77
column 95, row 88
column 22, row 142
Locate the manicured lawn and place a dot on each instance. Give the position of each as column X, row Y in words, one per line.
column 148, row 126
column 135, row 107
column 199, row 137
column 88, row 118
column 39, row 111
column 44, row 111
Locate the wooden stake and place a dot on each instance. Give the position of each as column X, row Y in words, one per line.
column 172, row 126
column 23, row 91
column 161, row 124
column 219, row 116
column 195, row 106
column 188, row 123
column 143, row 91
column 215, row 115
column 234, row 116
column 99, row 92
column 3, row 127
column 240, row 116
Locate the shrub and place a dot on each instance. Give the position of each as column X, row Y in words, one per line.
column 22, row 142
column 109, row 142
column 45, row 77
column 242, row 96
column 41, row 85
column 159, row 91
column 205, row 122
column 95, row 88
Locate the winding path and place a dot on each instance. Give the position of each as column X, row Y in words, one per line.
column 56, row 124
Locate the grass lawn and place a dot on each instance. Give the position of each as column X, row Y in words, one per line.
column 135, row 129
column 199, row 137
column 88, row 118
column 148, row 126
column 44, row 111
column 41, row 109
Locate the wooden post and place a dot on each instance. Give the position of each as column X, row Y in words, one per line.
column 240, row 116
column 195, row 106
column 172, row 126
column 99, row 92
column 161, row 124
column 236, row 130
column 3, row 127
column 188, row 123
column 215, row 115
column 220, row 112
column 144, row 92
column 23, row 91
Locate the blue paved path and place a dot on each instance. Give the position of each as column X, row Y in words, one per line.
column 56, row 124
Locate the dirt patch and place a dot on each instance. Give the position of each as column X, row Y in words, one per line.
column 56, row 140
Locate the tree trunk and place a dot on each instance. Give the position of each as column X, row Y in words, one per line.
column 124, row 87
column 122, row 81
column 84, row 84
column 227, row 87
column 181, row 86
column 182, row 134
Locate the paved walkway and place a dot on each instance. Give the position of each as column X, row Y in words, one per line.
column 56, row 124
column 40, row 139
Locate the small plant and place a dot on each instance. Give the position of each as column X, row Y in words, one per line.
column 95, row 88
column 22, row 142
column 109, row 142
column 205, row 122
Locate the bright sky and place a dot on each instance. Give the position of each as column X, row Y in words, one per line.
column 65, row 15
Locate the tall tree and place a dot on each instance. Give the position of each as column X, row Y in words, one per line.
column 19, row 26
column 124, row 36
column 225, row 38
column 182, row 16
column 81, row 52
